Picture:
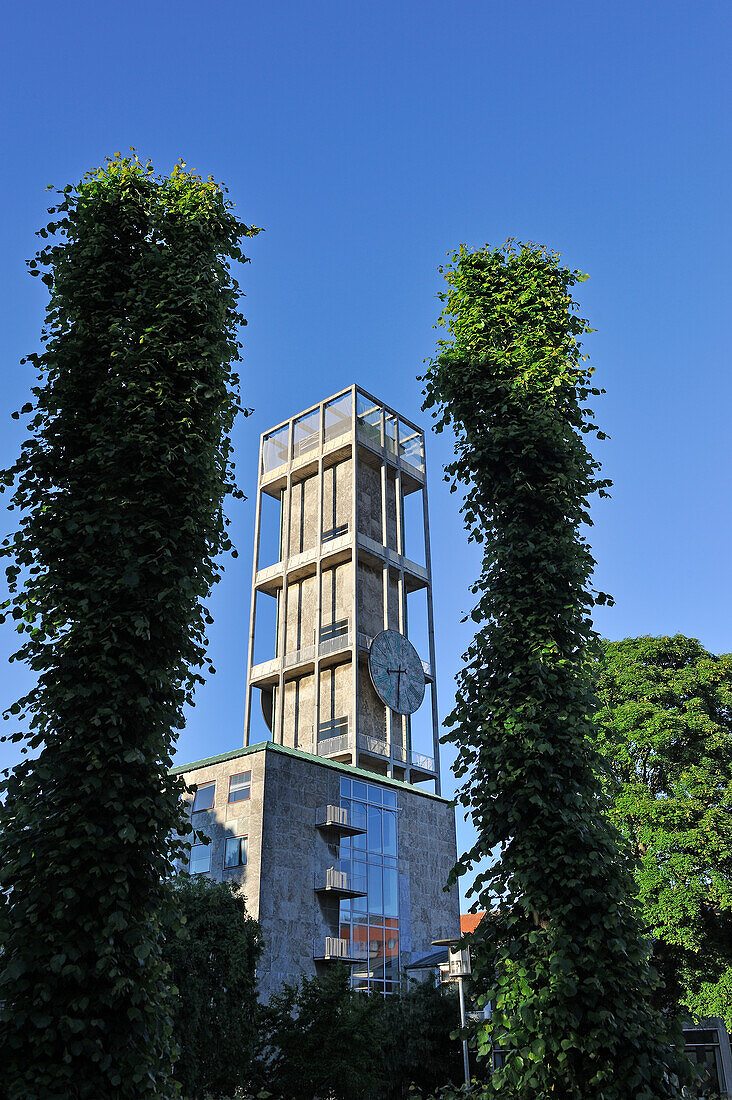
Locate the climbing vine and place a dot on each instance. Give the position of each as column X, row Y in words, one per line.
column 564, row 959
column 119, row 485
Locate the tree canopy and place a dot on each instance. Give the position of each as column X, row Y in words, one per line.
column 665, row 729
column 569, row 975
column 120, row 486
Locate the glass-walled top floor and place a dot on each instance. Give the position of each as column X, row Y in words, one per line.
column 376, row 424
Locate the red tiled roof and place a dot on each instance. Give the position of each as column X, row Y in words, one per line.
column 470, row 921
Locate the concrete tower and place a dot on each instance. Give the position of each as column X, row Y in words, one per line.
column 341, row 558
column 323, row 817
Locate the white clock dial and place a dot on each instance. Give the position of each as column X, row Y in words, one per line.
column 396, row 672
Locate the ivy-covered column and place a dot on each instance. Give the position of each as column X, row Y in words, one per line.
column 562, row 953
column 120, row 486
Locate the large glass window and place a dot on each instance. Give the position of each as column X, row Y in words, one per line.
column 200, row 859
column 371, row 923
column 240, row 786
column 235, row 851
column 204, row 797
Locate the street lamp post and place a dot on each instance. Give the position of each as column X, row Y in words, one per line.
column 458, row 961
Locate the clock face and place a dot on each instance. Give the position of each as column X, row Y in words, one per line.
column 396, row 672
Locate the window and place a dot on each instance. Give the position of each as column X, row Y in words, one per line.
column 240, row 787
column 204, row 797
column 200, row 859
column 235, row 852
column 371, row 923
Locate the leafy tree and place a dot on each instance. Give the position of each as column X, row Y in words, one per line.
column 569, row 975
column 419, row 1047
column 665, row 728
column 120, row 486
column 323, row 1040
column 212, row 960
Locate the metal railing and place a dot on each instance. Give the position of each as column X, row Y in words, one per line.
column 333, row 948
column 420, row 760
column 338, row 880
column 331, row 815
column 327, row 746
column 335, row 645
column 373, row 745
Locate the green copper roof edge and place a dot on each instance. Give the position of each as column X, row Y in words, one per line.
column 270, row 746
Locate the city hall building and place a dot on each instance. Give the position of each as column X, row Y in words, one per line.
column 331, row 816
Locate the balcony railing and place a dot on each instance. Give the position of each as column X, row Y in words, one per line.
column 333, row 736
column 373, row 745
column 341, row 883
column 328, row 746
column 337, row 819
column 332, row 947
column 420, row 760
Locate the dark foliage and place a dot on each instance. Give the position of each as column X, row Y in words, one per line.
column 120, row 486
column 570, row 981
column 213, row 959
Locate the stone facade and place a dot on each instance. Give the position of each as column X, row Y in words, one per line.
column 288, row 856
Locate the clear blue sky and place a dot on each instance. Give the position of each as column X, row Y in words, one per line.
column 369, row 138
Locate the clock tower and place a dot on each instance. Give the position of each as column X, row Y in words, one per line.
column 341, row 640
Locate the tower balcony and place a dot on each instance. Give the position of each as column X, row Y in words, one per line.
column 336, row 639
column 335, row 547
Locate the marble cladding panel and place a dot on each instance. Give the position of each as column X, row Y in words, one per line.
column 370, row 599
column 344, row 590
column 369, row 502
column 393, row 603
column 344, row 493
column 297, row 729
column 371, row 710
column 310, row 513
column 391, row 507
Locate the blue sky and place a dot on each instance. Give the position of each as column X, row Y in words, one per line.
column 369, row 138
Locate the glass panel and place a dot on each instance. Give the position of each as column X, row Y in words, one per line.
column 240, row 786
column 359, row 941
column 345, row 788
column 391, row 892
column 376, row 952
column 337, row 417
column 274, row 450
column 359, row 790
column 368, row 417
column 376, row 897
column 390, row 798
column 375, row 794
column 204, row 797
column 200, row 858
column 305, row 433
column 374, row 827
column 411, row 446
column 358, row 871
column 235, row 852
column 390, row 835
column 390, row 431
column 391, row 963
